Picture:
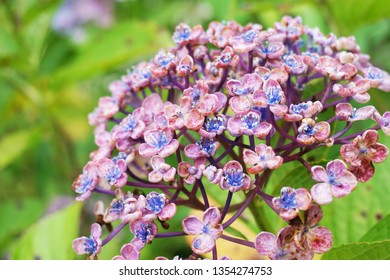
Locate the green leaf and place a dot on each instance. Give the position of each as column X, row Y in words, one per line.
column 9, row 46
column 360, row 251
column 380, row 232
column 13, row 145
column 111, row 48
column 23, row 214
column 51, row 237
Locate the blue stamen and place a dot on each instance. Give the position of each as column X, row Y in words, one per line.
column 155, row 202
column 250, row 121
column 287, row 200
column 234, row 178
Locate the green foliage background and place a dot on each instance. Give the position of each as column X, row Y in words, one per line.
column 48, row 85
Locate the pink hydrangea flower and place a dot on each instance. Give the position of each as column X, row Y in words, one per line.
column 345, row 112
column 244, row 92
column 155, row 206
column 356, row 88
column 152, row 105
column 213, row 126
column 291, row 201
column 278, row 74
column 310, row 237
column 294, row 64
column 163, row 62
column 191, row 173
column 303, row 110
column 273, row 96
column 336, row 181
column 310, row 131
column 124, row 207
column 208, row 230
column 204, row 148
column 114, row 173
column 234, row 179
column 383, row 121
column 213, row 174
column 130, row 127
column 329, row 66
column 161, row 170
column 280, row 247
column 364, row 150
column 86, row 182
column 264, row 157
column 249, row 124
column 378, row 78
column 130, row 251
column 158, row 142
column 143, row 231
column 226, row 58
column 246, row 41
column 89, row 245
column 270, row 49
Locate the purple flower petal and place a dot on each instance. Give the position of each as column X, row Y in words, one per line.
column 192, row 225
column 202, row 244
column 322, row 193
column 211, row 216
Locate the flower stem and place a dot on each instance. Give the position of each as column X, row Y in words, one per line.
column 238, row 241
column 113, row 233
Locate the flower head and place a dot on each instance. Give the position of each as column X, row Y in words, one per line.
column 336, row 181
column 208, row 230
column 89, row 245
column 263, row 158
column 234, row 178
column 291, row 201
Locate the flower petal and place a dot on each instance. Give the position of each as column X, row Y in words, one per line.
column 303, row 198
column 265, row 243
column 203, row 244
column 167, row 212
column 321, row 240
column 211, row 216
column 319, row 174
column 192, row 225
column 379, row 152
column 129, row 252
column 336, row 167
column 322, row 193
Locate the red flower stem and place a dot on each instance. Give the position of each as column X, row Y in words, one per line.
column 233, row 142
column 341, row 132
column 281, row 131
column 250, row 62
column 149, row 186
column 227, row 151
column 174, row 82
column 227, row 205
column 305, row 163
column 215, row 255
column 223, row 79
column 329, row 89
column 170, row 234
column 333, row 103
column 203, row 192
column 104, row 191
column 113, row 233
column 238, row 241
column 239, row 212
column 377, row 127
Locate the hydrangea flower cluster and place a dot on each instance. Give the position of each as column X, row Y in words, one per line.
column 218, row 113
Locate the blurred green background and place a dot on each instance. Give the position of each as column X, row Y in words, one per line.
column 51, row 79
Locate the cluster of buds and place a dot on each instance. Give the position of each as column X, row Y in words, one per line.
column 221, row 111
